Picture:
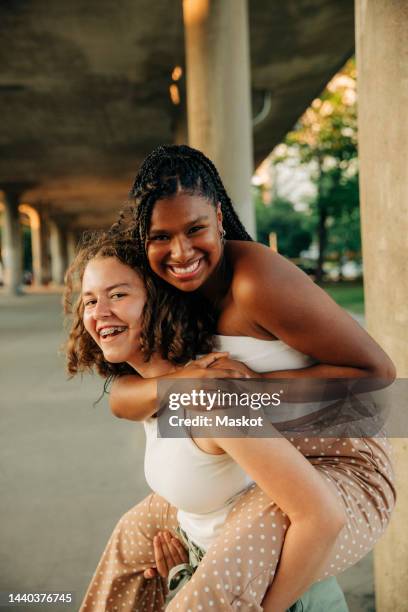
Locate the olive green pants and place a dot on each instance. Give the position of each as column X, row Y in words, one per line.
column 325, row 596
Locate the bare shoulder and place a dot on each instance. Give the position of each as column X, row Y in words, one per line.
column 275, row 296
column 279, row 298
column 259, row 269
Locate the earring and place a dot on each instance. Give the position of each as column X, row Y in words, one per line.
column 222, row 235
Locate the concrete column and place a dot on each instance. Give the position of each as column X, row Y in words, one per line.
column 58, row 252
column 218, row 93
column 36, row 254
column 12, row 248
column 181, row 130
column 45, row 245
column 72, row 242
column 383, row 146
column 36, row 247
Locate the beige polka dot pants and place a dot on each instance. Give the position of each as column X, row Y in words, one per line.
column 118, row 582
column 238, row 568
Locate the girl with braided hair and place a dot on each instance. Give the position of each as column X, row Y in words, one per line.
column 186, row 231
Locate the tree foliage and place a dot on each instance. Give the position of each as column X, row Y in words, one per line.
column 325, row 138
column 290, row 226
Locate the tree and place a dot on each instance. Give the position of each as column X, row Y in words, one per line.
column 326, row 135
column 290, row 226
column 344, row 232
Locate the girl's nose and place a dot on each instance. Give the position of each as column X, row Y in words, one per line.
column 102, row 309
column 181, row 248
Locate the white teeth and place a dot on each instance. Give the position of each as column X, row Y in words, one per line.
column 107, row 331
column 187, row 270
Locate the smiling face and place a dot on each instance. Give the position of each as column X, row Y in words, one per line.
column 113, row 296
column 184, row 246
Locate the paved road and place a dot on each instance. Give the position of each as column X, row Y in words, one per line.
column 68, row 469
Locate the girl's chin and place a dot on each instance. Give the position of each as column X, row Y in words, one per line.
column 117, row 357
column 114, row 359
column 185, row 285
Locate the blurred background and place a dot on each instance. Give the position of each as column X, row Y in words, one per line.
column 268, row 90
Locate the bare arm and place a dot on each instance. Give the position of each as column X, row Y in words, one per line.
column 316, row 517
column 297, row 311
column 135, row 398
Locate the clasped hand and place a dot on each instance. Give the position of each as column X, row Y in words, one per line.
column 168, row 552
column 215, row 365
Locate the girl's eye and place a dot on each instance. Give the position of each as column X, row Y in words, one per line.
column 196, row 228
column 118, row 295
column 89, row 303
column 159, row 238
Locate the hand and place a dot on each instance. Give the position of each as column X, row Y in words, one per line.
column 224, row 363
column 210, row 366
column 168, row 552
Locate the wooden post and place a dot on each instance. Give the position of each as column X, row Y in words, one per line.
column 273, row 241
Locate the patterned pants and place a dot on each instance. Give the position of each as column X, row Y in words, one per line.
column 239, row 566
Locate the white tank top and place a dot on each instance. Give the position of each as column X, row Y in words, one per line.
column 202, row 486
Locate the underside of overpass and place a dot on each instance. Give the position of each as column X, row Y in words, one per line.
column 84, row 90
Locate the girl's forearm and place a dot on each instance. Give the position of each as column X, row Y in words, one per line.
column 326, row 370
column 328, row 382
column 306, row 549
column 133, row 398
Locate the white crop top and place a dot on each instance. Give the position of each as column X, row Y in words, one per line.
column 202, row 486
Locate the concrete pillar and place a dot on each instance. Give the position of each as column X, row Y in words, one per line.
column 36, row 246
column 219, row 93
column 58, row 252
column 45, row 245
column 181, row 130
column 383, row 147
column 12, row 248
column 36, row 254
column 72, row 241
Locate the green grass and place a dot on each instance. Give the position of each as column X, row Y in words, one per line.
column 348, row 295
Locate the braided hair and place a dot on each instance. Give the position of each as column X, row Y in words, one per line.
column 167, row 171
column 171, row 169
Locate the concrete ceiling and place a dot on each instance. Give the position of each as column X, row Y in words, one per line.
column 84, row 88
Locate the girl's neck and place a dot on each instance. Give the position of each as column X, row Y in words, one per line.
column 156, row 366
column 217, row 285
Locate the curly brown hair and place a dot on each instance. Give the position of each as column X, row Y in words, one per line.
column 168, row 328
